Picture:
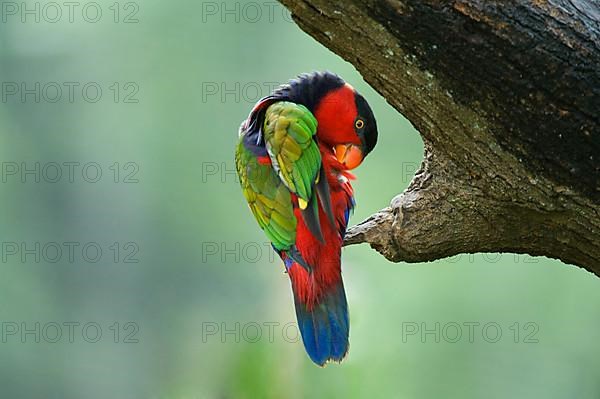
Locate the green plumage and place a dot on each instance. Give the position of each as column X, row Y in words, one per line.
column 288, row 134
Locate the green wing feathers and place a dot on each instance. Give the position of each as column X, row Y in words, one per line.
column 269, row 199
column 288, row 131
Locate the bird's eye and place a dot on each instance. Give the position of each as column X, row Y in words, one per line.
column 359, row 124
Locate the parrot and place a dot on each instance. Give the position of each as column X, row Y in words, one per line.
column 293, row 158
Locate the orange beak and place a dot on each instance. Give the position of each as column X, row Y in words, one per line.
column 348, row 155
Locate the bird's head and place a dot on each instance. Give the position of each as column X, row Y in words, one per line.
column 346, row 124
column 345, row 121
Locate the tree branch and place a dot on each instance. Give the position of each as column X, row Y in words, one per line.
column 506, row 96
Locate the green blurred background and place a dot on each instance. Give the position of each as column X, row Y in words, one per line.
column 193, row 304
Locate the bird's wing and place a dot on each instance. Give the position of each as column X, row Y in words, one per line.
column 289, row 133
column 280, row 163
column 288, row 130
column 269, row 199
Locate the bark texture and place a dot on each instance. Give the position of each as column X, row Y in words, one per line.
column 506, row 96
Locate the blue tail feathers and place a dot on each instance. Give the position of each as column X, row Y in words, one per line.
column 325, row 327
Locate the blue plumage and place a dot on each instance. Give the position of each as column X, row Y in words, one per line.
column 325, row 328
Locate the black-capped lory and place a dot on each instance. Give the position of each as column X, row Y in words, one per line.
column 293, row 159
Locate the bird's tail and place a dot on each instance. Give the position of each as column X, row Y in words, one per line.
column 324, row 326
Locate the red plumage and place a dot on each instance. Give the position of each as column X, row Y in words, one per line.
column 335, row 114
column 324, row 257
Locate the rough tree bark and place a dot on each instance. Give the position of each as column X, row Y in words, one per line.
column 506, row 96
